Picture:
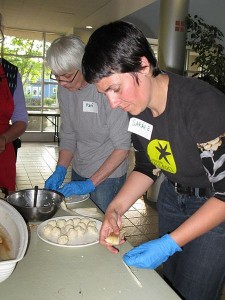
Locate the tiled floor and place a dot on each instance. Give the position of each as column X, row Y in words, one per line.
column 37, row 161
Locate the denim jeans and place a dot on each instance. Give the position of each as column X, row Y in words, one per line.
column 105, row 191
column 196, row 273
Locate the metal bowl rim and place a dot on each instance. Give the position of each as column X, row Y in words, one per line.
column 60, row 194
column 22, row 206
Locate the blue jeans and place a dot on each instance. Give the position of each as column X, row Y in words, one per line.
column 105, row 191
column 196, row 273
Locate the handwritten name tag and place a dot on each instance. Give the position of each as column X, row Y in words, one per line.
column 140, row 127
column 90, row 107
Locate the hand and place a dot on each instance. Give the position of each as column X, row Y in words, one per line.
column 56, row 179
column 77, row 188
column 111, row 223
column 152, row 254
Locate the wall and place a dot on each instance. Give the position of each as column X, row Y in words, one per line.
column 147, row 18
column 212, row 11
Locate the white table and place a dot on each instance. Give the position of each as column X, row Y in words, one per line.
column 48, row 115
column 49, row 272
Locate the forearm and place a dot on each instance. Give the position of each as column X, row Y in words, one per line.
column 65, row 158
column 14, row 131
column 135, row 186
column 210, row 215
column 109, row 166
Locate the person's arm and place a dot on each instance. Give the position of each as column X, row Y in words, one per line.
column 14, row 131
column 210, row 215
column 20, row 110
column 135, row 186
column 117, row 121
column 19, row 117
column 109, row 166
column 67, row 143
column 65, row 158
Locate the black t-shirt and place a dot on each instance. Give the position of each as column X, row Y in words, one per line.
column 194, row 114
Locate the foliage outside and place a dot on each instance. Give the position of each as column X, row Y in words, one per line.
column 27, row 55
column 206, row 40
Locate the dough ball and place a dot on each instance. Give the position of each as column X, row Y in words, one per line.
column 55, row 232
column 92, row 230
column 52, row 223
column 113, row 239
column 83, row 225
column 72, row 233
column 63, row 240
column 85, row 220
column 92, row 223
column 68, row 227
column 47, row 229
column 61, row 223
column 80, row 230
column 76, row 221
column 69, row 222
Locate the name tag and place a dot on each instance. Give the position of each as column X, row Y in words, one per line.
column 90, row 107
column 141, row 128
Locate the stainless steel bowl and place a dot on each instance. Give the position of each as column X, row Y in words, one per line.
column 47, row 203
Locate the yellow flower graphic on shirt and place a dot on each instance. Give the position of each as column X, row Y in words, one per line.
column 160, row 154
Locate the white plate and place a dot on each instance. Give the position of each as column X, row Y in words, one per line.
column 86, row 240
column 76, row 199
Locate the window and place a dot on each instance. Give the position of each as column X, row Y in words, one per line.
column 190, row 69
column 26, row 49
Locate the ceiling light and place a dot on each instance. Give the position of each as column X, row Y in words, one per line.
column 89, row 27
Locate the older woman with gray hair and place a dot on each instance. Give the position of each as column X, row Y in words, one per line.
column 93, row 136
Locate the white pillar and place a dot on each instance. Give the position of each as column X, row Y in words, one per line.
column 172, row 35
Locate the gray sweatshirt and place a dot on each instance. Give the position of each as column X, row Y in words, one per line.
column 91, row 129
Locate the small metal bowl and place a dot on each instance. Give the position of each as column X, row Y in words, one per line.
column 47, row 203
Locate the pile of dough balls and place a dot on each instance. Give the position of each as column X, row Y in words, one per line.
column 65, row 231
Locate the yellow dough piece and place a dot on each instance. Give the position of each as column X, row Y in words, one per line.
column 115, row 239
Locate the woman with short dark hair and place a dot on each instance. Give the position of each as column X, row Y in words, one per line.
column 178, row 128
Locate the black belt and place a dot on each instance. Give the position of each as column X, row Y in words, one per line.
column 199, row 192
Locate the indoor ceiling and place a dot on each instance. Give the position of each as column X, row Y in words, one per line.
column 65, row 16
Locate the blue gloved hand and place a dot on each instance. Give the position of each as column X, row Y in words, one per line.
column 152, row 254
column 77, row 188
column 56, row 179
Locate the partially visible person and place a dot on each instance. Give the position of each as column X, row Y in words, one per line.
column 178, row 128
column 13, row 119
column 93, row 136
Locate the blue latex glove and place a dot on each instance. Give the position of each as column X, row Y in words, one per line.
column 56, row 179
column 77, row 188
column 152, row 254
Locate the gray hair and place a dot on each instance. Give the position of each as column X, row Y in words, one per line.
column 65, row 54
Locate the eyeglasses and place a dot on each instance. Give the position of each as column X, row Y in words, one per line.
column 57, row 77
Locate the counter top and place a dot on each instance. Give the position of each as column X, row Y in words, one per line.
column 49, row 272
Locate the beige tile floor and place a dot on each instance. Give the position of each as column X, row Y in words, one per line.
column 37, row 161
